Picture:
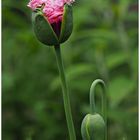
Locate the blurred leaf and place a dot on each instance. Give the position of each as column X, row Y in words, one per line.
column 119, row 89
column 115, row 60
column 7, row 81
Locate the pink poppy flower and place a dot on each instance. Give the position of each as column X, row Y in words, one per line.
column 52, row 9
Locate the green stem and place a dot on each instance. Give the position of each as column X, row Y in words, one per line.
column 65, row 94
column 104, row 102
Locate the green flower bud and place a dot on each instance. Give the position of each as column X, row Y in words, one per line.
column 93, row 127
column 51, row 34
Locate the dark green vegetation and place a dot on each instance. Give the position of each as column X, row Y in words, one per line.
column 103, row 45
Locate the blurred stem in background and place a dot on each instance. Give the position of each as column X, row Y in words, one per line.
column 65, row 94
column 101, row 65
column 126, row 46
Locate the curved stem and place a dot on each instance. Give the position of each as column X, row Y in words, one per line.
column 104, row 102
column 65, row 94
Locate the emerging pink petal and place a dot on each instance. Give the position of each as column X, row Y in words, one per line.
column 33, row 4
column 53, row 9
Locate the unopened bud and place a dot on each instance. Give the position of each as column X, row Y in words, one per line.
column 53, row 33
column 93, row 127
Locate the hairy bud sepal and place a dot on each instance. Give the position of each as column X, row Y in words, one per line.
column 93, row 127
column 67, row 24
column 43, row 30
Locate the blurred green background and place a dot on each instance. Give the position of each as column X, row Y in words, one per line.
column 104, row 44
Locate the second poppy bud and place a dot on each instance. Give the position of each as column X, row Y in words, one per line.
column 93, row 127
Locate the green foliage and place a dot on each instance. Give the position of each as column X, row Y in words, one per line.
column 103, row 45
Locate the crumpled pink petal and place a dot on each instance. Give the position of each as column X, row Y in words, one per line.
column 33, row 4
column 53, row 9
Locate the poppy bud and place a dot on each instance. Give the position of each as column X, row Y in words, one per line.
column 93, row 127
column 51, row 32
